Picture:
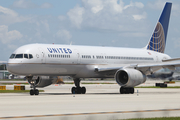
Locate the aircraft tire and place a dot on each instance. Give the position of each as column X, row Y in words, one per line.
column 36, row 92
column 31, row 92
column 124, row 90
column 73, row 90
column 132, row 91
column 83, row 90
column 79, row 90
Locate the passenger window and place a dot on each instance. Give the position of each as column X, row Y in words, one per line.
column 19, row 56
column 12, row 56
column 30, row 56
column 26, row 56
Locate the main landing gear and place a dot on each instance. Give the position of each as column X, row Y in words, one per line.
column 78, row 89
column 127, row 90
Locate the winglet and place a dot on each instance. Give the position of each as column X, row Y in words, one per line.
column 158, row 40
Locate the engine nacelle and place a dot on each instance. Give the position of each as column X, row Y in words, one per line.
column 42, row 81
column 129, row 77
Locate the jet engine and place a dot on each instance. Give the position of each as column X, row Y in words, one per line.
column 42, row 81
column 127, row 77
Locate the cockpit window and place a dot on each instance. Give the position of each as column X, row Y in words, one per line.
column 12, row 56
column 19, row 56
column 30, row 56
column 26, row 56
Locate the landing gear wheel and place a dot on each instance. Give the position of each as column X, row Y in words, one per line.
column 78, row 90
column 132, row 91
column 31, row 92
column 83, row 90
column 124, row 90
column 36, row 92
column 73, row 90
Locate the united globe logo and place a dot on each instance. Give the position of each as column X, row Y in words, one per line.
column 157, row 42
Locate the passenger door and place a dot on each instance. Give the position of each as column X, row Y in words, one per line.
column 77, row 57
column 42, row 55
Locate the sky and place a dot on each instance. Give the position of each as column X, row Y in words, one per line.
column 114, row 23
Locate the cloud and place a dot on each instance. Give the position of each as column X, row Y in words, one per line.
column 94, row 5
column 139, row 17
column 75, row 16
column 28, row 4
column 108, row 15
column 61, row 17
column 6, row 11
column 8, row 36
column 136, row 4
column 12, row 46
column 46, row 5
column 64, row 35
column 39, row 29
column 46, row 25
column 159, row 4
column 133, row 34
column 8, row 16
column 23, row 4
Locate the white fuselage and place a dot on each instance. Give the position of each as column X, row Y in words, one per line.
column 76, row 61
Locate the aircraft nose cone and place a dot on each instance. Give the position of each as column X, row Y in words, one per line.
column 10, row 67
column 13, row 67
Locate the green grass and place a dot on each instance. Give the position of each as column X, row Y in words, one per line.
column 17, row 91
column 157, row 87
column 163, row 118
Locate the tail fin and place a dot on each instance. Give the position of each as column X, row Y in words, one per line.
column 158, row 40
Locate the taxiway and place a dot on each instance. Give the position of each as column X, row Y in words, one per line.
column 102, row 101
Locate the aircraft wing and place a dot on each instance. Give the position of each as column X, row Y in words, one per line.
column 146, row 68
column 150, row 68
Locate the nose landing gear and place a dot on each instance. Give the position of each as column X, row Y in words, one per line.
column 34, row 92
column 33, row 83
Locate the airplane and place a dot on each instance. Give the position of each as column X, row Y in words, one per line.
column 42, row 63
column 162, row 74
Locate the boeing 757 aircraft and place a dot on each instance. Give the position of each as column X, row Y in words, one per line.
column 42, row 63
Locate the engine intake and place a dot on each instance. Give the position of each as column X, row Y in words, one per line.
column 129, row 77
